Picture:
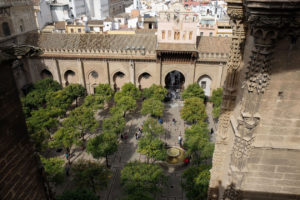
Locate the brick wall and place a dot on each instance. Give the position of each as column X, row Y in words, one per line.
column 20, row 177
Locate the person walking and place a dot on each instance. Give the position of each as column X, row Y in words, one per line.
column 136, row 135
column 180, row 140
column 211, row 131
column 174, row 121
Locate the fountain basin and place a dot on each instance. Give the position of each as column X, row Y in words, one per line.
column 175, row 158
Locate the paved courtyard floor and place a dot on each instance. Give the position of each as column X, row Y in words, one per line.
column 127, row 152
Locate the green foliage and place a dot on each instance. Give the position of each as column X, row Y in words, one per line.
column 116, row 111
column 193, row 110
column 196, row 181
column 75, row 90
column 40, row 139
column 54, row 169
column 82, row 120
column 152, row 147
column 63, row 99
column 59, row 99
column 90, row 175
column 115, row 124
column 152, row 127
column 216, row 111
column 103, row 145
column 36, row 98
column 44, row 118
column 78, row 194
column 216, row 98
column 65, row 137
column 197, row 142
column 137, row 178
column 47, row 84
column 94, row 102
column 193, row 90
column 138, row 195
column 155, row 91
column 153, row 107
column 105, row 91
column 126, row 103
column 128, row 89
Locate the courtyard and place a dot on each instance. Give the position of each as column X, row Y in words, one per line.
column 127, row 152
column 90, row 142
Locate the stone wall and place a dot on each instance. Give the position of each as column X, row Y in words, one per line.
column 143, row 73
column 257, row 146
column 20, row 178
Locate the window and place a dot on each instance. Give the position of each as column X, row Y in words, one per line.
column 91, row 28
column 176, row 35
column 163, row 35
column 201, row 33
column 210, row 34
column 5, row 29
column 79, row 30
column 169, row 34
column 72, row 30
column 203, row 84
column 191, row 35
column 207, row 25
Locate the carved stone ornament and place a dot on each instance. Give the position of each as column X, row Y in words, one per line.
column 231, row 193
column 13, row 52
column 235, row 13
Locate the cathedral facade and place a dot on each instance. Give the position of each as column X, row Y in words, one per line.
column 257, row 145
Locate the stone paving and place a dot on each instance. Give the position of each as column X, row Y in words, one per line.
column 127, row 152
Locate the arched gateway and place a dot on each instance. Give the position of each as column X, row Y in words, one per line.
column 174, row 80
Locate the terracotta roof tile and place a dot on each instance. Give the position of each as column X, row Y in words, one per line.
column 214, row 44
column 92, row 41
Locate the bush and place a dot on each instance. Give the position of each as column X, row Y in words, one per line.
column 196, row 181
column 153, row 107
column 193, row 90
column 138, row 178
column 90, row 175
column 156, row 92
column 54, row 169
column 193, row 110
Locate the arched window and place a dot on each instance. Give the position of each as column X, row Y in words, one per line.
column 6, row 29
column 163, row 35
column 191, row 35
column 178, row 35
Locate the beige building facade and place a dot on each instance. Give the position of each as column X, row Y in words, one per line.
column 118, row 59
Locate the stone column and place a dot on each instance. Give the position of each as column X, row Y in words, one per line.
column 132, row 72
column 235, row 11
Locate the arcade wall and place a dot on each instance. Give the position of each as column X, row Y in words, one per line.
column 143, row 73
